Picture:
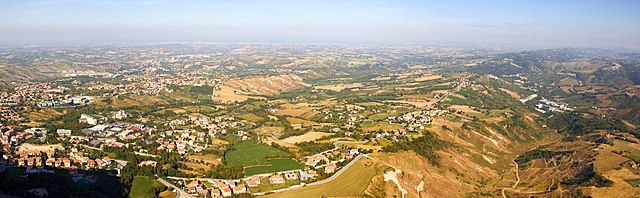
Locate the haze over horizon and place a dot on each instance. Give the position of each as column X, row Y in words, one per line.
column 524, row 24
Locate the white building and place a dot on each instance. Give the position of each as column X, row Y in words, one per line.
column 84, row 118
column 63, row 132
column 120, row 115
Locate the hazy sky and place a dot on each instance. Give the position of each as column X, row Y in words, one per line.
column 516, row 23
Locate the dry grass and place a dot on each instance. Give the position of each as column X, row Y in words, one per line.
column 607, row 160
column 339, row 87
column 511, row 93
column 464, row 108
column 437, row 183
column 168, row 194
column 298, row 121
column 360, row 145
column 428, row 78
column 494, row 119
column 219, row 142
column 311, row 136
column 197, row 166
column 352, row 183
column 229, row 94
column 177, row 110
column 268, row 85
column 268, row 140
column 207, row 158
column 303, row 110
column 194, row 109
column 267, row 130
column 124, row 102
column 43, row 114
column 148, row 100
column 382, row 126
column 414, row 102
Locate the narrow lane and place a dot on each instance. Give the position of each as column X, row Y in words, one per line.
column 181, row 193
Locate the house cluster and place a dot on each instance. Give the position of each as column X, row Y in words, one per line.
column 464, row 83
column 412, row 121
column 187, row 80
column 328, row 160
column 182, row 141
column 32, row 93
column 214, row 126
column 216, row 188
column 347, row 114
column 12, row 137
column 434, row 112
column 120, row 129
column 116, row 89
column 282, row 177
column 8, row 114
column 67, row 101
column 30, row 155
column 143, row 85
column 545, row 105
column 524, row 82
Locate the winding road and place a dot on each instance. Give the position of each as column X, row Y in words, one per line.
column 181, row 193
column 517, row 179
column 337, row 173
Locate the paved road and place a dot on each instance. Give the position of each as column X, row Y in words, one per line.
column 181, row 193
column 337, row 173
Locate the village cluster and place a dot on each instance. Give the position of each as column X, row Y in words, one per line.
column 38, row 156
column 325, row 163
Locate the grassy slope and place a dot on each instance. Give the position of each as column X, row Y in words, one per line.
column 351, row 183
column 249, row 153
column 141, row 185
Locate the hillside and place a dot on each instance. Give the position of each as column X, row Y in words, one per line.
column 267, row 85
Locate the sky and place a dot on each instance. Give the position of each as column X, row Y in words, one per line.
column 512, row 23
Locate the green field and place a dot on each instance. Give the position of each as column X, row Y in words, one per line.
column 368, row 126
column 141, row 186
column 250, row 153
column 276, row 165
column 201, row 90
column 351, row 183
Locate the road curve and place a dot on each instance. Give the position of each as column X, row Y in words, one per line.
column 181, row 193
column 504, row 195
column 337, row 173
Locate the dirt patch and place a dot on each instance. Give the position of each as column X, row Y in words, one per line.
column 428, row 78
column 380, row 188
column 311, row 136
column 268, row 85
column 339, row 87
column 511, row 93
column 229, row 94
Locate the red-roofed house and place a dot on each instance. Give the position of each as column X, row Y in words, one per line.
column 254, row 181
column 330, row 168
column 215, row 193
column 240, row 189
column 276, row 179
column 226, row 192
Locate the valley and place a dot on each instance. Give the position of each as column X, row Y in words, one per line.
column 534, row 123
